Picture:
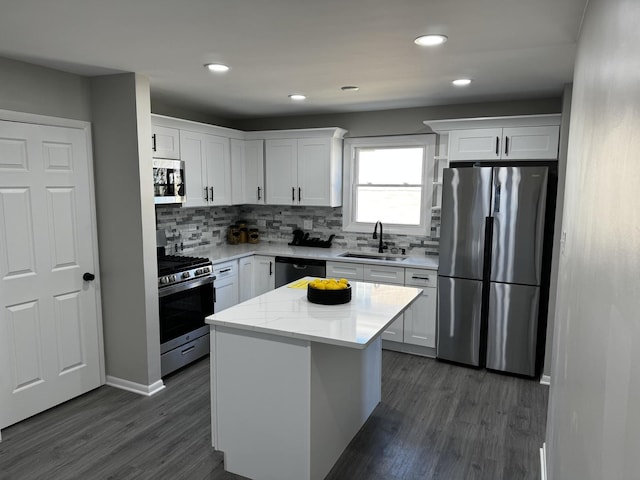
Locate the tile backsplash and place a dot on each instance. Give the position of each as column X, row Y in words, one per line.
column 188, row 228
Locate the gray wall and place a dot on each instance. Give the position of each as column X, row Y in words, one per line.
column 593, row 428
column 43, row 91
column 162, row 107
column 402, row 121
column 557, row 232
column 126, row 226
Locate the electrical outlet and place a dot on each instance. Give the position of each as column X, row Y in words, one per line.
column 307, row 224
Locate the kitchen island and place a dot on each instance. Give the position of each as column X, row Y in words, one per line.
column 292, row 382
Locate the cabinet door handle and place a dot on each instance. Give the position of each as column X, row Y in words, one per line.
column 506, row 145
column 211, row 193
column 188, row 350
column 225, row 270
column 497, row 146
column 270, row 268
column 206, row 194
column 299, row 194
column 293, row 194
column 153, row 140
column 258, row 193
column 420, row 278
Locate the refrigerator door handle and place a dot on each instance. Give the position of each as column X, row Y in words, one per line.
column 496, row 203
column 497, row 146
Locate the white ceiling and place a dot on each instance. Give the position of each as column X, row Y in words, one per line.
column 510, row 48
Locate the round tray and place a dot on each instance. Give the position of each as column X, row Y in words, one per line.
column 329, row 297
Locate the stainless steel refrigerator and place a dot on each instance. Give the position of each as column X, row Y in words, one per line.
column 489, row 278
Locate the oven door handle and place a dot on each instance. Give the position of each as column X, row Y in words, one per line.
column 180, row 287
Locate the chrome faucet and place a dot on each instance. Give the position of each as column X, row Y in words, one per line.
column 375, row 235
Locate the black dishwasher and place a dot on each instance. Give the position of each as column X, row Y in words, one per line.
column 289, row 269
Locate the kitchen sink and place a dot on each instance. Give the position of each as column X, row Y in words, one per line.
column 374, row 256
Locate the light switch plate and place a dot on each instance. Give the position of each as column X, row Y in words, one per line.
column 307, row 224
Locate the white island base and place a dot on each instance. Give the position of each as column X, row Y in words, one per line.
column 292, row 382
column 285, row 408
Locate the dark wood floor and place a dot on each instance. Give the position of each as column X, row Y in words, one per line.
column 435, row 421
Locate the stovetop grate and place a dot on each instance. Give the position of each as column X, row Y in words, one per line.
column 176, row 263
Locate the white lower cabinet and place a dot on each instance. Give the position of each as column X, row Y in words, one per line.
column 418, row 324
column 226, row 285
column 390, row 276
column 245, row 278
column 420, row 318
column 350, row 271
column 264, row 278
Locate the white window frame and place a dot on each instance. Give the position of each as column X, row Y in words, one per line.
column 426, row 141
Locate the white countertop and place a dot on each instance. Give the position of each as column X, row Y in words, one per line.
column 287, row 312
column 232, row 252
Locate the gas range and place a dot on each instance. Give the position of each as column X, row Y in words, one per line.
column 173, row 269
column 186, row 296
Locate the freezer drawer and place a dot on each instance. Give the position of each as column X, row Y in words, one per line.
column 513, row 328
column 459, row 320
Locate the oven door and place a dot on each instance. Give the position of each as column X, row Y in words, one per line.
column 183, row 308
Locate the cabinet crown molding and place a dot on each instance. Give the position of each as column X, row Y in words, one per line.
column 172, row 122
column 446, row 125
column 326, row 132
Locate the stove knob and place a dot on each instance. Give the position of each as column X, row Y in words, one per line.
column 186, row 275
column 164, row 280
column 172, row 278
column 198, row 271
column 206, row 269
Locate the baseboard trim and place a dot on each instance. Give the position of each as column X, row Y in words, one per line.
column 543, row 462
column 139, row 388
column 545, row 380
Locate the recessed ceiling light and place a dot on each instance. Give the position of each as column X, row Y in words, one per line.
column 430, row 40
column 349, row 88
column 297, row 96
column 462, row 82
column 217, row 67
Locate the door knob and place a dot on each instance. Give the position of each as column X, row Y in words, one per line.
column 87, row 277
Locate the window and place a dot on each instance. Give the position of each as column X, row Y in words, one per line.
column 388, row 179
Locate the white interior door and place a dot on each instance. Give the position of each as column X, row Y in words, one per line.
column 50, row 338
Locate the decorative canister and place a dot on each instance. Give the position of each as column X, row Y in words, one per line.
column 233, row 235
column 254, row 235
column 244, row 233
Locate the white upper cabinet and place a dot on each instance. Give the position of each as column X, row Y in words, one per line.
column 522, row 143
column 478, row 143
column 165, row 142
column 304, row 170
column 534, row 137
column 207, row 164
column 281, row 161
column 232, row 167
column 247, row 172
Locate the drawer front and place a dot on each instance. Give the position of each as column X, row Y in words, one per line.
column 381, row 274
column 350, row 271
column 417, row 277
column 227, row 269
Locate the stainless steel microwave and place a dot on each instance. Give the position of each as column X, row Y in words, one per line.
column 168, row 181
